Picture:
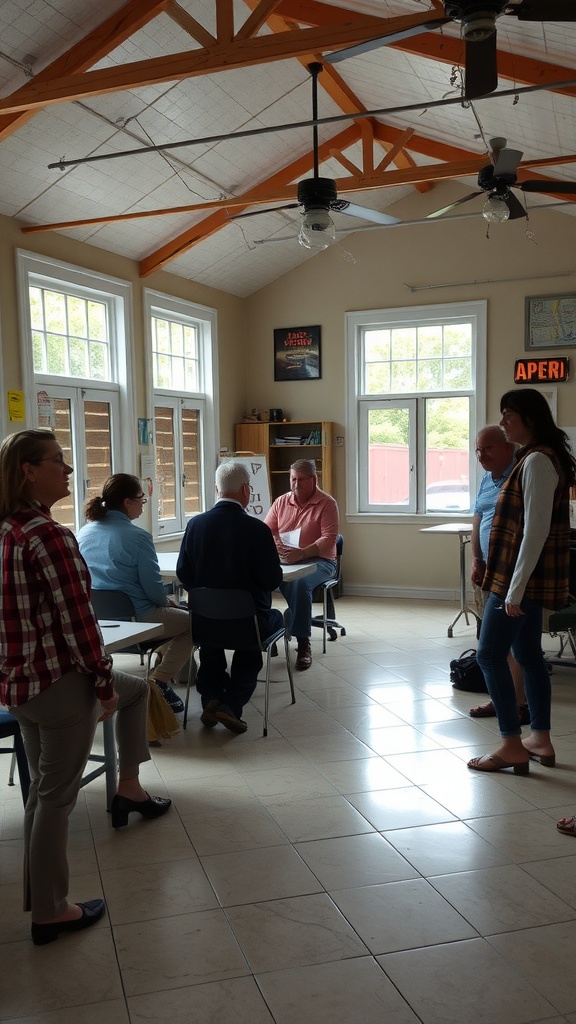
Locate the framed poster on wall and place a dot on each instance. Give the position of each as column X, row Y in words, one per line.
column 297, row 353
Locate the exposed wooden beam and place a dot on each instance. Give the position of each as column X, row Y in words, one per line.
column 84, row 54
column 255, row 21
column 189, row 24
column 179, row 66
column 393, row 151
column 224, row 21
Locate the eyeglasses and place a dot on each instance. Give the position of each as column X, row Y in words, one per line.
column 59, row 459
column 487, row 448
column 140, row 497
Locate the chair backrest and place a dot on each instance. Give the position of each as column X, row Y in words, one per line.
column 113, row 604
column 223, row 618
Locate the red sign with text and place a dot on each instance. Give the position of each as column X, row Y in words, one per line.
column 538, row 371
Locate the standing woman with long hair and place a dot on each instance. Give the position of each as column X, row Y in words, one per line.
column 57, row 679
column 526, row 571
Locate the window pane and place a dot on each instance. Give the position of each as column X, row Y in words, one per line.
column 165, row 462
column 77, row 319
column 388, row 457
column 38, row 352
column 64, row 327
column 447, row 454
column 65, row 511
column 78, row 358
column 426, row 358
column 56, row 352
column 55, row 307
column 192, row 468
column 175, row 355
column 36, row 309
column 97, row 321
column 98, row 427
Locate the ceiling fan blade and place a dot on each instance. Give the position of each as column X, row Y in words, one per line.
column 391, row 37
column 507, row 161
column 533, row 185
column 256, row 213
column 481, row 76
column 544, row 10
column 452, row 206
column 515, row 206
column 342, row 206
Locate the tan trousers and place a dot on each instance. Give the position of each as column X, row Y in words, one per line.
column 58, row 729
column 176, row 652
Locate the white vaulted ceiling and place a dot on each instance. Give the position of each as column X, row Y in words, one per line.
column 80, row 80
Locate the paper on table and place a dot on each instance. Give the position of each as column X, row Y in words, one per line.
column 291, row 538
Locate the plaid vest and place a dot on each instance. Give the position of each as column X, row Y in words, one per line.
column 548, row 583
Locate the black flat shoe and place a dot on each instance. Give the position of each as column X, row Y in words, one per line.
column 92, row 911
column 121, row 807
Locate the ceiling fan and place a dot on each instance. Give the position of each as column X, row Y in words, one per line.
column 498, row 178
column 317, row 197
column 478, row 29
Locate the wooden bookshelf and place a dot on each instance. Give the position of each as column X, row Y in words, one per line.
column 284, row 443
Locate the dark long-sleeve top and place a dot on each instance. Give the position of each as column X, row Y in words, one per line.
column 227, row 547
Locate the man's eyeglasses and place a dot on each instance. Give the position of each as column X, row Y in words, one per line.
column 488, row 448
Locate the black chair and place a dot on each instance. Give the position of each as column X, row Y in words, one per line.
column 115, row 605
column 225, row 607
column 323, row 592
column 9, row 727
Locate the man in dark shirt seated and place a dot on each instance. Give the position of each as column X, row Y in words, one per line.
column 227, row 548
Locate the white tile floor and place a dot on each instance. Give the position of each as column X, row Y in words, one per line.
column 347, row 869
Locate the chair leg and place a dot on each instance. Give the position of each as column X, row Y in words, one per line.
column 110, row 760
column 12, row 768
column 325, row 614
column 192, row 670
column 267, row 691
column 289, row 667
column 23, row 766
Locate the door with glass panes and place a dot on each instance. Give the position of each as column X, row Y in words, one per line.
column 84, row 421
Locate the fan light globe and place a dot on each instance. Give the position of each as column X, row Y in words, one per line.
column 495, row 210
column 316, row 229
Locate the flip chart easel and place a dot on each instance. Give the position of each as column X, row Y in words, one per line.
column 257, row 467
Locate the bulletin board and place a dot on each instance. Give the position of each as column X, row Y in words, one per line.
column 257, row 467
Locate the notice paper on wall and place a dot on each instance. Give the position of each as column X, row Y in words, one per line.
column 257, row 467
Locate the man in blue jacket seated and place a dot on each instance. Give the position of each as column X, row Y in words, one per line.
column 227, row 548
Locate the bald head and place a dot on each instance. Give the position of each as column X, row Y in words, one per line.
column 494, row 452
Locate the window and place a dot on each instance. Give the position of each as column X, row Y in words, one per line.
column 77, row 371
column 416, row 386
column 181, row 338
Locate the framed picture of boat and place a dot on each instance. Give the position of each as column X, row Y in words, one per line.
column 297, row 353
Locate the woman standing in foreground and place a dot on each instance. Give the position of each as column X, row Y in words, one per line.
column 56, row 678
column 527, row 570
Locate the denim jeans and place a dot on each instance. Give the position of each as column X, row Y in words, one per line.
column 523, row 635
column 299, row 596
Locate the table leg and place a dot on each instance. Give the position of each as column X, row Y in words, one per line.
column 465, row 609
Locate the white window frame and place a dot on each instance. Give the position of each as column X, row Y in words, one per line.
column 356, row 457
column 33, row 269
column 205, row 320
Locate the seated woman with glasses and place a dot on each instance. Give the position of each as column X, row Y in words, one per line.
column 121, row 556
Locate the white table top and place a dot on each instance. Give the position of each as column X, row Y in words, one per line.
column 167, row 561
column 461, row 529
column 122, row 634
